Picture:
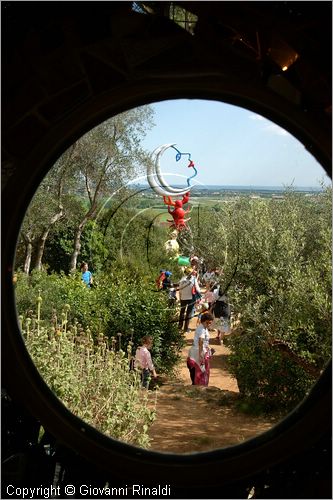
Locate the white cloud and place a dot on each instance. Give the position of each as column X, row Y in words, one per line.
column 257, row 117
column 270, row 127
column 275, row 129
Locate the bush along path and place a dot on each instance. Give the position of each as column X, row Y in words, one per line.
column 196, row 418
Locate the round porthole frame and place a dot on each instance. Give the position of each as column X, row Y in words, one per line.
column 304, row 426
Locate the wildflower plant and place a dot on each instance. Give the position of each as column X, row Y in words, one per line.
column 89, row 376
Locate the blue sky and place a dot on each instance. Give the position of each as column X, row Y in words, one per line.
column 229, row 146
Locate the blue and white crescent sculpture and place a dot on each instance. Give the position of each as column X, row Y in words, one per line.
column 156, row 179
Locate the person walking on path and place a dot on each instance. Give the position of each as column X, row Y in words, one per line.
column 222, row 312
column 198, row 360
column 187, row 302
column 144, row 362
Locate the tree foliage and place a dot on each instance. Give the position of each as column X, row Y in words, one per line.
column 277, row 255
column 47, row 208
column 92, row 171
column 107, row 157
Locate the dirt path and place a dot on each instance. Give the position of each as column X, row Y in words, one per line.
column 196, row 418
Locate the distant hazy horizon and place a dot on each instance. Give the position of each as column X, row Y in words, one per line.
column 238, row 186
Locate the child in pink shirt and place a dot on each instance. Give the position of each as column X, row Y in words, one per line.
column 143, row 360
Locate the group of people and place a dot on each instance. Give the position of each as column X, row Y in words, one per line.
column 214, row 310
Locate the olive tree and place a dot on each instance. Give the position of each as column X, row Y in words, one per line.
column 48, row 206
column 281, row 294
column 107, row 157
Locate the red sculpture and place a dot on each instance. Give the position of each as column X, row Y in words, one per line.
column 178, row 213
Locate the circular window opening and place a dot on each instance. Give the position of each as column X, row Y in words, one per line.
column 256, row 228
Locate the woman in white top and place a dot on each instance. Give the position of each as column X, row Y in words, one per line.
column 198, row 360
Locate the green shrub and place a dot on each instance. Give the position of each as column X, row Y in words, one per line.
column 137, row 309
column 282, row 295
column 264, row 375
column 90, row 378
column 122, row 302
